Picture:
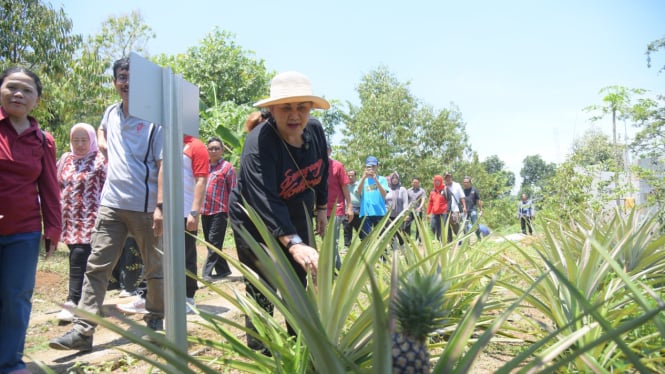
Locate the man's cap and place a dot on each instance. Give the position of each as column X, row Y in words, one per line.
column 371, row 161
column 448, row 173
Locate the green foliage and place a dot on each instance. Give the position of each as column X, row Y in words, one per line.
column 650, row 120
column 405, row 136
column 598, row 283
column 82, row 94
column 499, row 212
column 601, row 277
column 36, row 36
column 535, row 174
column 226, row 121
column 654, row 47
column 617, row 102
column 121, row 35
column 594, row 148
column 39, row 37
column 221, row 69
column 499, row 182
column 331, row 118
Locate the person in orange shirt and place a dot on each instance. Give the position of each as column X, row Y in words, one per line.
column 437, row 206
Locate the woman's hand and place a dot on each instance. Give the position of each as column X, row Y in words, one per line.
column 306, row 256
column 49, row 247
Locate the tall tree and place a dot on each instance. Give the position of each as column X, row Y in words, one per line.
column 617, row 103
column 221, row 69
column 499, row 181
column 535, row 173
column 87, row 88
column 121, row 35
column 38, row 37
column 594, row 148
column 407, row 137
column 649, row 144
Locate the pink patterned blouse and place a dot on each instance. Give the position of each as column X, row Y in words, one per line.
column 81, row 181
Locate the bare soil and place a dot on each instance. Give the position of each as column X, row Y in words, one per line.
column 106, row 356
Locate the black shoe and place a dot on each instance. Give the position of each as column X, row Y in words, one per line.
column 156, row 325
column 223, row 275
column 73, row 340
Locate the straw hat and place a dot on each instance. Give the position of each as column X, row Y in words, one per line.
column 292, row 87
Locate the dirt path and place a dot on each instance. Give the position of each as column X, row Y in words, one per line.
column 106, row 354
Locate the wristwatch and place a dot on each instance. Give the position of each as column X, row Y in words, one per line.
column 295, row 239
column 194, row 213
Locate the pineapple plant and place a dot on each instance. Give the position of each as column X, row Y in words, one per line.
column 417, row 309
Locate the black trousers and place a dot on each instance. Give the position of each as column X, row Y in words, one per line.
column 214, row 230
column 78, row 260
column 524, row 223
column 349, row 227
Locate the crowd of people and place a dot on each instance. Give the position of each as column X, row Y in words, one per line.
column 103, row 199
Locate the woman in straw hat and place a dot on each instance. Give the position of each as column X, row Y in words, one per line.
column 283, row 176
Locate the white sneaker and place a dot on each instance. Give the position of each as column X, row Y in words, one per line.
column 65, row 315
column 189, row 303
column 135, row 307
column 125, row 293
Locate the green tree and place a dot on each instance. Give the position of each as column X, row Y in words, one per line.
column 654, row 47
column 391, row 124
column 617, row 103
column 593, row 148
column 38, row 37
column 221, row 69
column 649, row 144
column 87, row 89
column 499, row 181
column 121, row 35
column 535, row 173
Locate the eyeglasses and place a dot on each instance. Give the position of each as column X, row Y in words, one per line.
column 122, row 79
column 214, row 149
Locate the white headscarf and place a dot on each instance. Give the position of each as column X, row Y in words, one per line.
column 91, row 134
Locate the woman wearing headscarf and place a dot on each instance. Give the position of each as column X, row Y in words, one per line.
column 81, row 176
column 397, row 199
column 437, row 206
column 283, row 176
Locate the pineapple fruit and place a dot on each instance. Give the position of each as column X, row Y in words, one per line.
column 417, row 306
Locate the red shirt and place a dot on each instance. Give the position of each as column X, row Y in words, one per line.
column 437, row 204
column 336, row 179
column 28, row 184
column 221, row 180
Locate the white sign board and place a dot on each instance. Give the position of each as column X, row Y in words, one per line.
column 145, row 94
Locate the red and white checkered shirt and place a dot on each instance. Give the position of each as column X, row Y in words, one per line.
column 221, row 180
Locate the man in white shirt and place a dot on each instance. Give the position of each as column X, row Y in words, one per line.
column 456, row 205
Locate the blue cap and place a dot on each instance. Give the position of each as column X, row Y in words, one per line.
column 371, row 161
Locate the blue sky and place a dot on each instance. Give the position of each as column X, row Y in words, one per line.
column 520, row 72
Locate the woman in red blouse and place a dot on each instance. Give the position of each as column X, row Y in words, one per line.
column 81, row 175
column 28, row 203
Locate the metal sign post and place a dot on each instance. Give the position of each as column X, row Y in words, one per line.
column 158, row 96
